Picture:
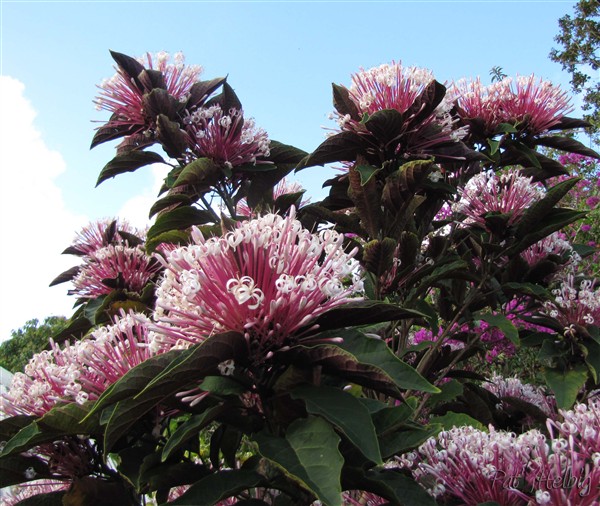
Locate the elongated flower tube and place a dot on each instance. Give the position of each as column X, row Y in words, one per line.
column 111, row 267
column 508, row 193
column 226, row 137
column 268, row 278
column 123, row 96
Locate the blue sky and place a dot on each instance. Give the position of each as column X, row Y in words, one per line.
column 281, row 58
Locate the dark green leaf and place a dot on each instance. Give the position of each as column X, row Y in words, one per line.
column 366, row 198
column 171, row 200
column 345, row 412
column 535, row 213
column 187, row 369
column 400, row 489
column 110, row 132
column 566, row 384
column 363, row 312
column 379, row 255
column 171, row 136
column 189, row 429
column 201, row 90
column 129, row 65
column 67, row 275
column 343, row 103
column 385, row 125
column 553, row 221
column 178, row 219
column 218, row 486
column 202, row 172
column 366, row 173
column 452, row 419
column 567, row 144
column 344, row 146
column 171, row 237
column 502, row 323
column 373, row 351
column 66, row 420
column 309, row 455
column 285, row 154
column 222, row 386
column 128, row 162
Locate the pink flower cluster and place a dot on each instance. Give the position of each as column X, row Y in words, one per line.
column 530, row 104
column 396, row 87
column 476, row 466
column 226, row 137
column 507, row 193
column 123, row 96
column 78, row 372
column 575, row 304
column 109, row 262
column 268, row 279
column 514, row 387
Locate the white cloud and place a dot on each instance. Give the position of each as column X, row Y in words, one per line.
column 35, row 224
column 135, row 210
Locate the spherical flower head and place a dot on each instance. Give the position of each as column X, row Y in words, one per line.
column 554, row 244
column 477, row 102
column 514, row 387
column 537, row 105
column 114, row 267
column 392, row 86
column 101, row 233
column 226, row 137
column 123, row 96
column 80, row 371
column 267, row 279
column 389, row 86
column 473, row 466
column 508, row 193
column 533, row 105
column 574, row 303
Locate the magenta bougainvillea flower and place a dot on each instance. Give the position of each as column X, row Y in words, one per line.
column 268, row 278
column 226, row 137
column 80, row 371
column 507, row 193
column 531, row 104
column 114, row 267
column 123, row 96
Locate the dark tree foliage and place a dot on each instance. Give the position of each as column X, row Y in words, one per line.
column 30, row 339
column 579, row 40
